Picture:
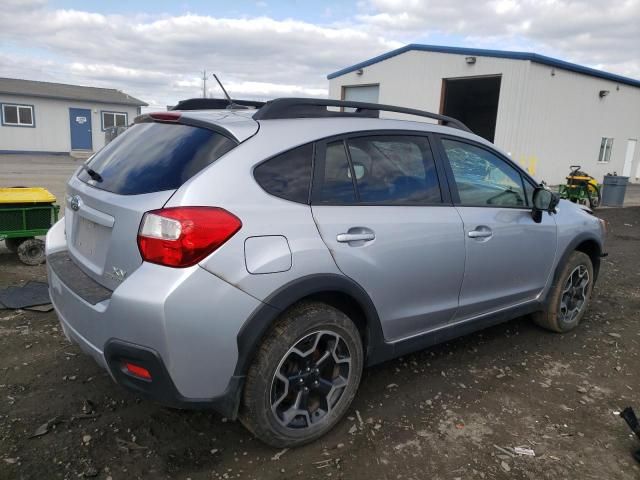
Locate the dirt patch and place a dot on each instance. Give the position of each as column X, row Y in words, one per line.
column 453, row 411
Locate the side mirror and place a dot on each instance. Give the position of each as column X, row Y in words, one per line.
column 544, row 200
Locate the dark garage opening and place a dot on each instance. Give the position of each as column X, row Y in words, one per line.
column 474, row 101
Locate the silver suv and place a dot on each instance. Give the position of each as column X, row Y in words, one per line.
column 253, row 261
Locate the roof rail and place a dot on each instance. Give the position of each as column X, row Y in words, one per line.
column 213, row 104
column 281, row 108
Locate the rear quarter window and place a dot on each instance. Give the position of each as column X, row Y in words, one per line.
column 287, row 175
column 152, row 157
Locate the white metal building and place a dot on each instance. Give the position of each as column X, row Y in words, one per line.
column 48, row 117
column 546, row 113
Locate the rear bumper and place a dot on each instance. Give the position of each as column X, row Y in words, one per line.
column 182, row 323
column 161, row 388
column 73, row 335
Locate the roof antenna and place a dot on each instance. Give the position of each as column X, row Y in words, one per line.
column 231, row 104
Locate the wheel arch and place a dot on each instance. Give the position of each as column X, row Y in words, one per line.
column 586, row 243
column 594, row 250
column 335, row 290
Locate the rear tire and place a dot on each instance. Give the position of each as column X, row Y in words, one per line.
column 594, row 197
column 31, row 252
column 304, row 377
column 569, row 296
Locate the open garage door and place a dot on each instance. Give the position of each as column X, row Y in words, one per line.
column 474, row 101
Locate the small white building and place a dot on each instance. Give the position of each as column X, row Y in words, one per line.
column 546, row 113
column 56, row 118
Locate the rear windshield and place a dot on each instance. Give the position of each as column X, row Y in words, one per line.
column 151, row 157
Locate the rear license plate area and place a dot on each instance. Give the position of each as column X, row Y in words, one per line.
column 91, row 241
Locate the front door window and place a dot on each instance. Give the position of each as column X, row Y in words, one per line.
column 482, row 178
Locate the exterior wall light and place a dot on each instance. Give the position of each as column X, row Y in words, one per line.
column 470, row 60
column 603, row 93
column 359, row 71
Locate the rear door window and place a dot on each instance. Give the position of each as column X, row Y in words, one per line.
column 394, row 170
column 378, row 170
column 287, row 175
column 336, row 185
column 152, row 157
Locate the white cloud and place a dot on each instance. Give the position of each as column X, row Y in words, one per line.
column 161, row 56
column 589, row 32
column 158, row 57
column 267, row 90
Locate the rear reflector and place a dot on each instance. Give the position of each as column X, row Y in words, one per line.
column 182, row 236
column 137, row 370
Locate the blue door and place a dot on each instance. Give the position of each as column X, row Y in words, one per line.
column 80, row 126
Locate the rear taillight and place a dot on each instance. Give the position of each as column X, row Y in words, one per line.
column 182, row 236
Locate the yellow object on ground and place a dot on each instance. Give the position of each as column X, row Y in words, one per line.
column 26, row 195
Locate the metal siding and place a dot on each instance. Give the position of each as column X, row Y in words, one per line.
column 51, row 133
column 565, row 120
column 414, row 79
column 482, row 52
column 546, row 123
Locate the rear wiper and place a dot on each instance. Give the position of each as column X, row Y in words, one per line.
column 92, row 173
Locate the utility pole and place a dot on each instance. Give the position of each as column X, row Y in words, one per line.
column 204, row 84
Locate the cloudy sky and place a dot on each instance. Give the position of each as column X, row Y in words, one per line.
column 156, row 50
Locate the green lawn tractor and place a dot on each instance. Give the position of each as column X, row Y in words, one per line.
column 581, row 188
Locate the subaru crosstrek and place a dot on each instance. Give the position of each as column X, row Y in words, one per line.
column 253, row 261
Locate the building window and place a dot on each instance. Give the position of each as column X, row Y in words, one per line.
column 17, row 115
column 113, row 119
column 606, row 145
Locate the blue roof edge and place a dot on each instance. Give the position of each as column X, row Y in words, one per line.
column 480, row 52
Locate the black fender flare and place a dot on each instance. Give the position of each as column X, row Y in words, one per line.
column 265, row 315
column 569, row 249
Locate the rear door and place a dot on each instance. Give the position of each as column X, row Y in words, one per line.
column 509, row 256
column 135, row 173
column 380, row 210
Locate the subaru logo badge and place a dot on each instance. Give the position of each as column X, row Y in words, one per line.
column 74, row 203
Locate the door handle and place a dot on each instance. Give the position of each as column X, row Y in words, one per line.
column 356, row 234
column 480, row 232
column 355, row 237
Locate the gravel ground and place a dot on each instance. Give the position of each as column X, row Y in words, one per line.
column 449, row 412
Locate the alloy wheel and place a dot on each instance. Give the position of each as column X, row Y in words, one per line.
column 574, row 295
column 310, row 380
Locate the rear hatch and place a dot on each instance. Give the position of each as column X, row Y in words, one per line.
column 137, row 172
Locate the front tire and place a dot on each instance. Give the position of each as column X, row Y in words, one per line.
column 304, row 377
column 569, row 296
